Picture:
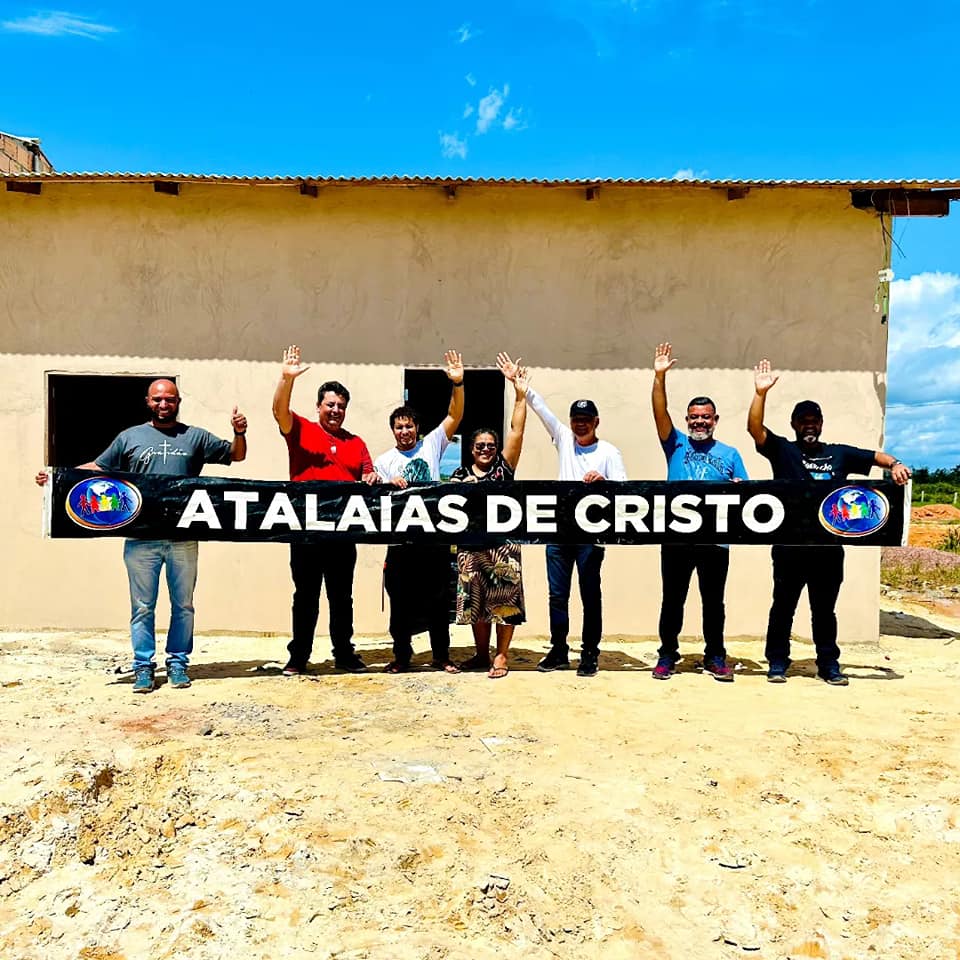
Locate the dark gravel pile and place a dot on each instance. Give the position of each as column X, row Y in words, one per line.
column 924, row 557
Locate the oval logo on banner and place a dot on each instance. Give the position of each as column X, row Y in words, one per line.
column 854, row 511
column 103, row 504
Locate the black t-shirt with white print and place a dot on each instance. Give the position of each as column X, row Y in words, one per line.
column 792, row 460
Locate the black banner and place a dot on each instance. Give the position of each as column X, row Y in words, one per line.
column 84, row 504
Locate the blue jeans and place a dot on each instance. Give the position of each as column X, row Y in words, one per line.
column 588, row 559
column 143, row 559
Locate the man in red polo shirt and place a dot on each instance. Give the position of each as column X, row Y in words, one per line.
column 321, row 450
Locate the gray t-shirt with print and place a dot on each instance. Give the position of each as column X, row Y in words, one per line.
column 181, row 451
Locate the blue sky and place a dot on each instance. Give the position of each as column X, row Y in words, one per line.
column 550, row 88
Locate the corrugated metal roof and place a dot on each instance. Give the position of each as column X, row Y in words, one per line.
column 415, row 181
column 14, row 136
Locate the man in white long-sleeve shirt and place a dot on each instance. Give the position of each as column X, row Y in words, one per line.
column 583, row 457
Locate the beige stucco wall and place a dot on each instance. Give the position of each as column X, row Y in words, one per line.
column 212, row 284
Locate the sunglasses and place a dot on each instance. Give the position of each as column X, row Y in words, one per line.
column 484, row 446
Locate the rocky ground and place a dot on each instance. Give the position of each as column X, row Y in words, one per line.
column 430, row 816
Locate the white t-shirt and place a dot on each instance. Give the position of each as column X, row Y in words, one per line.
column 419, row 464
column 576, row 461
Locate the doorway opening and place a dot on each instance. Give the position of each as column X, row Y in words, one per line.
column 428, row 392
column 86, row 411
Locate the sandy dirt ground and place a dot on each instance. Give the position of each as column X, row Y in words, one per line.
column 931, row 523
column 434, row 816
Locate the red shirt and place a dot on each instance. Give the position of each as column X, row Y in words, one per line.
column 318, row 455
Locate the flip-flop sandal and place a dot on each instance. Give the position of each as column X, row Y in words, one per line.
column 396, row 667
column 446, row 666
column 475, row 662
column 498, row 673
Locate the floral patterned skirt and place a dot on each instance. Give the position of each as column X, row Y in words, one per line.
column 490, row 585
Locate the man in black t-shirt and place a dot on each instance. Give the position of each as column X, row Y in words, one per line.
column 819, row 569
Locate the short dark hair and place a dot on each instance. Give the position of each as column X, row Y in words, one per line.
column 702, row 402
column 405, row 411
column 333, row 386
column 481, row 430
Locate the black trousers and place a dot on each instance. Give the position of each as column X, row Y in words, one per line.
column 418, row 581
column 820, row 570
column 677, row 564
column 310, row 565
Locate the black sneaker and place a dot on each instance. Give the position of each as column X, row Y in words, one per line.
column 832, row 675
column 554, row 660
column 588, row 667
column 777, row 671
column 350, row 663
column 294, row 669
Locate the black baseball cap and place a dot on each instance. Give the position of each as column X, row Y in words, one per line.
column 806, row 408
column 583, row 408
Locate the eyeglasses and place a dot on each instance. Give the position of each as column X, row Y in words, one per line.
column 484, row 446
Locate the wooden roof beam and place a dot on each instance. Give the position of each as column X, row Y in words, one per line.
column 905, row 203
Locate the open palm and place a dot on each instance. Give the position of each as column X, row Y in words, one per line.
column 454, row 365
column 663, row 358
column 508, row 367
column 763, row 376
column 292, row 365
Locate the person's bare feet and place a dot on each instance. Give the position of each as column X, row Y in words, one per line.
column 499, row 668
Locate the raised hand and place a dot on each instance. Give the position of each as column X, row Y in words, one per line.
column 663, row 359
column 521, row 381
column 239, row 422
column 763, row 377
column 454, row 368
column 292, row 367
column 507, row 366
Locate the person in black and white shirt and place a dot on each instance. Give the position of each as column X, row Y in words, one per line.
column 818, row 568
column 417, row 577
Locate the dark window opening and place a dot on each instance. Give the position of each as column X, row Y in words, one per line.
column 86, row 411
column 428, row 392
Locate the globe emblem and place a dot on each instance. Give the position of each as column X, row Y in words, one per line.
column 854, row 511
column 102, row 503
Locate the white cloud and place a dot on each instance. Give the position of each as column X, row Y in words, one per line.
column 514, row 120
column 925, row 311
column 58, row 23
column 924, row 435
column 464, row 33
column 467, row 110
column 451, row 146
column 924, row 344
column 688, row 173
column 489, row 107
column 924, row 369
column 471, row 79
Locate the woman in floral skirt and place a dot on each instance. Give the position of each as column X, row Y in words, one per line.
column 489, row 582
